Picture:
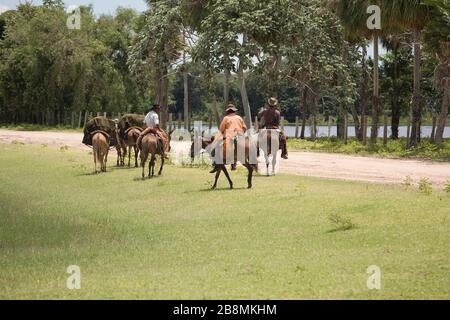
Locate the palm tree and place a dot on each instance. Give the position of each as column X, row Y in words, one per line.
column 395, row 43
column 437, row 41
column 353, row 14
column 412, row 16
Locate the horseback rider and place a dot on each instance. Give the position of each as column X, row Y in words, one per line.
column 231, row 126
column 152, row 122
column 270, row 120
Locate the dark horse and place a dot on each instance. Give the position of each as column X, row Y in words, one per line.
column 219, row 168
column 152, row 146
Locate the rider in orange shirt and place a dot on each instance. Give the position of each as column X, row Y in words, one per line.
column 231, row 126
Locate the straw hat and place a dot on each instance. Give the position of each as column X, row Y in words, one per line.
column 273, row 102
column 231, row 107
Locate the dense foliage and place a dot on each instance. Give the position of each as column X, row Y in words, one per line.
column 195, row 56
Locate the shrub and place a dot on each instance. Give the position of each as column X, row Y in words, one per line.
column 425, row 186
column 341, row 223
column 447, row 186
column 407, row 182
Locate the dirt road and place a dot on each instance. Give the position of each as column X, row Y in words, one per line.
column 301, row 163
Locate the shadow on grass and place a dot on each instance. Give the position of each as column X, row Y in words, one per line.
column 342, row 229
column 88, row 174
column 220, row 189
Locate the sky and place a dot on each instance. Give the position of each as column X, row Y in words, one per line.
column 100, row 6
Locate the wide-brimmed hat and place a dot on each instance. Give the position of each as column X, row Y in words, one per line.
column 273, row 102
column 231, row 107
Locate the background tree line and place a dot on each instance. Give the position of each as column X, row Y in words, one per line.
column 195, row 56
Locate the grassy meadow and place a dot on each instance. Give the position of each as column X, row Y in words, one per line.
column 290, row 237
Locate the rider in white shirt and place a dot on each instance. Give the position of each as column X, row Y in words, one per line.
column 152, row 122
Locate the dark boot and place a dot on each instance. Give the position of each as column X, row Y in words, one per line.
column 214, row 170
column 284, row 153
column 283, row 142
column 139, row 142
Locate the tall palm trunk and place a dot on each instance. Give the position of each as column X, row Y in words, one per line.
column 186, row 93
column 439, row 138
column 226, row 87
column 217, row 113
column 417, row 98
column 243, row 89
column 352, row 107
column 304, row 111
column 376, row 92
column 162, row 85
column 364, row 90
column 395, row 104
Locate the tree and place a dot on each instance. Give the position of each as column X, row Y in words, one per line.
column 354, row 16
column 437, row 41
column 413, row 16
column 396, row 82
column 316, row 54
column 228, row 33
column 53, row 4
column 47, row 70
column 157, row 48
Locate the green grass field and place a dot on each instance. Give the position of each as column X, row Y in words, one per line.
column 171, row 238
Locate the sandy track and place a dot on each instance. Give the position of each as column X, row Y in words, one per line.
column 301, row 163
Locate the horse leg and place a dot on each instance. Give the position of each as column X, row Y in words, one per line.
column 250, row 175
column 219, row 170
column 95, row 160
column 228, row 176
column 103, row 163
column 162, row 165
column 152, row 162
column 129, row 156
column 143, row 161
column 136, row 153
column 105, row 160
column 274, row 163
column 267, row 165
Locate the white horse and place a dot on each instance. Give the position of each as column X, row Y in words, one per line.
column 269, row 143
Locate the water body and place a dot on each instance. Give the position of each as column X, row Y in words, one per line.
column 323, row 131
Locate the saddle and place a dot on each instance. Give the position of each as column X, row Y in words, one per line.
column 107, row 136
column 131, row 128
column 159, row 140
column 99, row 125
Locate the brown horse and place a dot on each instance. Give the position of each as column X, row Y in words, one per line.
column 152, row 146
column 219, row 168
column 100, row 144
column 131, row 142
column 121, row 148
column 205, row 143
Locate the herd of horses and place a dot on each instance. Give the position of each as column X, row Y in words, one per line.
column 150, row 148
